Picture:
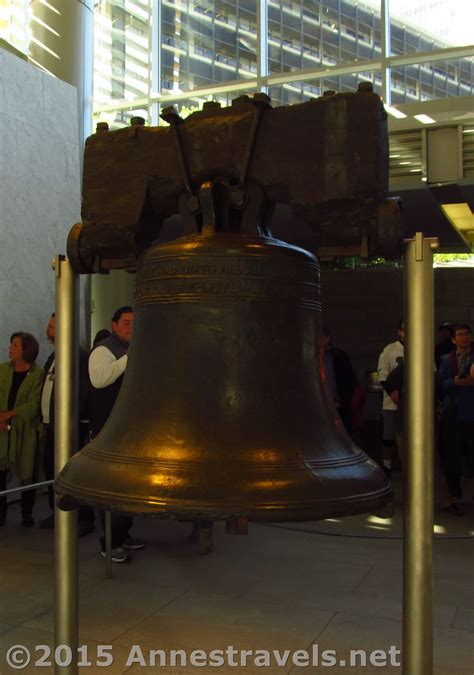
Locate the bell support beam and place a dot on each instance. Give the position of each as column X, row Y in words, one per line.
column 128, row 193
column 419, row 435
column 66, row 439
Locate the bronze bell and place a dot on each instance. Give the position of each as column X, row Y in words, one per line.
column 222, row 411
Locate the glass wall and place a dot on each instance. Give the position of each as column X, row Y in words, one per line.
column 428, row 81
column 122, row 50
column 204, row 44
column 427, row 25
column 192, row 104
column 298, row 91
column 14, row 23
column 308, row 35
column 153, row 52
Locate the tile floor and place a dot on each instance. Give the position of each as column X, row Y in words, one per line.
column 337, row 584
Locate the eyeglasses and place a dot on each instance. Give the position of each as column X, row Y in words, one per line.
column 462, row 333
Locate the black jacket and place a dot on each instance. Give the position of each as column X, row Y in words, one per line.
column 102, row 400
column 84, row 385
column 346, row 379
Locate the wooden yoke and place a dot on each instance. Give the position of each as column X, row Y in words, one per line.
column 327, row 159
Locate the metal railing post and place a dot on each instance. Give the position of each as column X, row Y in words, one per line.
column 419, row 426
column 66, row 440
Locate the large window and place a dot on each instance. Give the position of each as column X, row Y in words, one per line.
column 14, row 23
column 122, row 50
column 424, row 25
column 206, row 42
column 154, row 52
column 210, row 49
column 432, row 80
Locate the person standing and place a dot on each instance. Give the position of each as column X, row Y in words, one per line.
column 341, row 378
column 86, row 513
column 388, row 361
column 457, row 414
column 445, row 344
column 107, row 364
column 20, row 390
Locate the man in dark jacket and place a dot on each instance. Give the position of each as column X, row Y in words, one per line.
column 86, row 513
column 445, row 345
column 341, row 377
column 457, row 391
column 107, row 364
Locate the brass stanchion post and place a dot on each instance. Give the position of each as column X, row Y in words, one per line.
column 66, row 439
column 419, row 433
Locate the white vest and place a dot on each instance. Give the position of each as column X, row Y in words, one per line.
column 387, row 362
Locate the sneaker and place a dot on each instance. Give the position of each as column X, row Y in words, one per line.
column 131, row 544
column 84, row 528
column 387, row 511
column 27, row 521
column 47, row 523
column 118, row 555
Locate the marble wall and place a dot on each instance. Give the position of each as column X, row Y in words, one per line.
column 39, row 192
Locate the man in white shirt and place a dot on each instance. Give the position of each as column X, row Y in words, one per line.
column 388, row 361
column 107, row 364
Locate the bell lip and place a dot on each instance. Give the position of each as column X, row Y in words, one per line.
column 358, row 456
column 319, row 509
column 372, row 492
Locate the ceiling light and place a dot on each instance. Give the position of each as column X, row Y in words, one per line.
column 395, row 112
column 424, row 119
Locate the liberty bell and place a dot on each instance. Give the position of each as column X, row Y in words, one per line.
column 223, row 411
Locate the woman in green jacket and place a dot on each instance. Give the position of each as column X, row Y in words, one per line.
column 21, row 382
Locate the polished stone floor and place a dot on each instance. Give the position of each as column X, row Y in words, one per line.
column 337, row 584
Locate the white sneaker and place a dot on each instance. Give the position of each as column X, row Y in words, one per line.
column 119, row 555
